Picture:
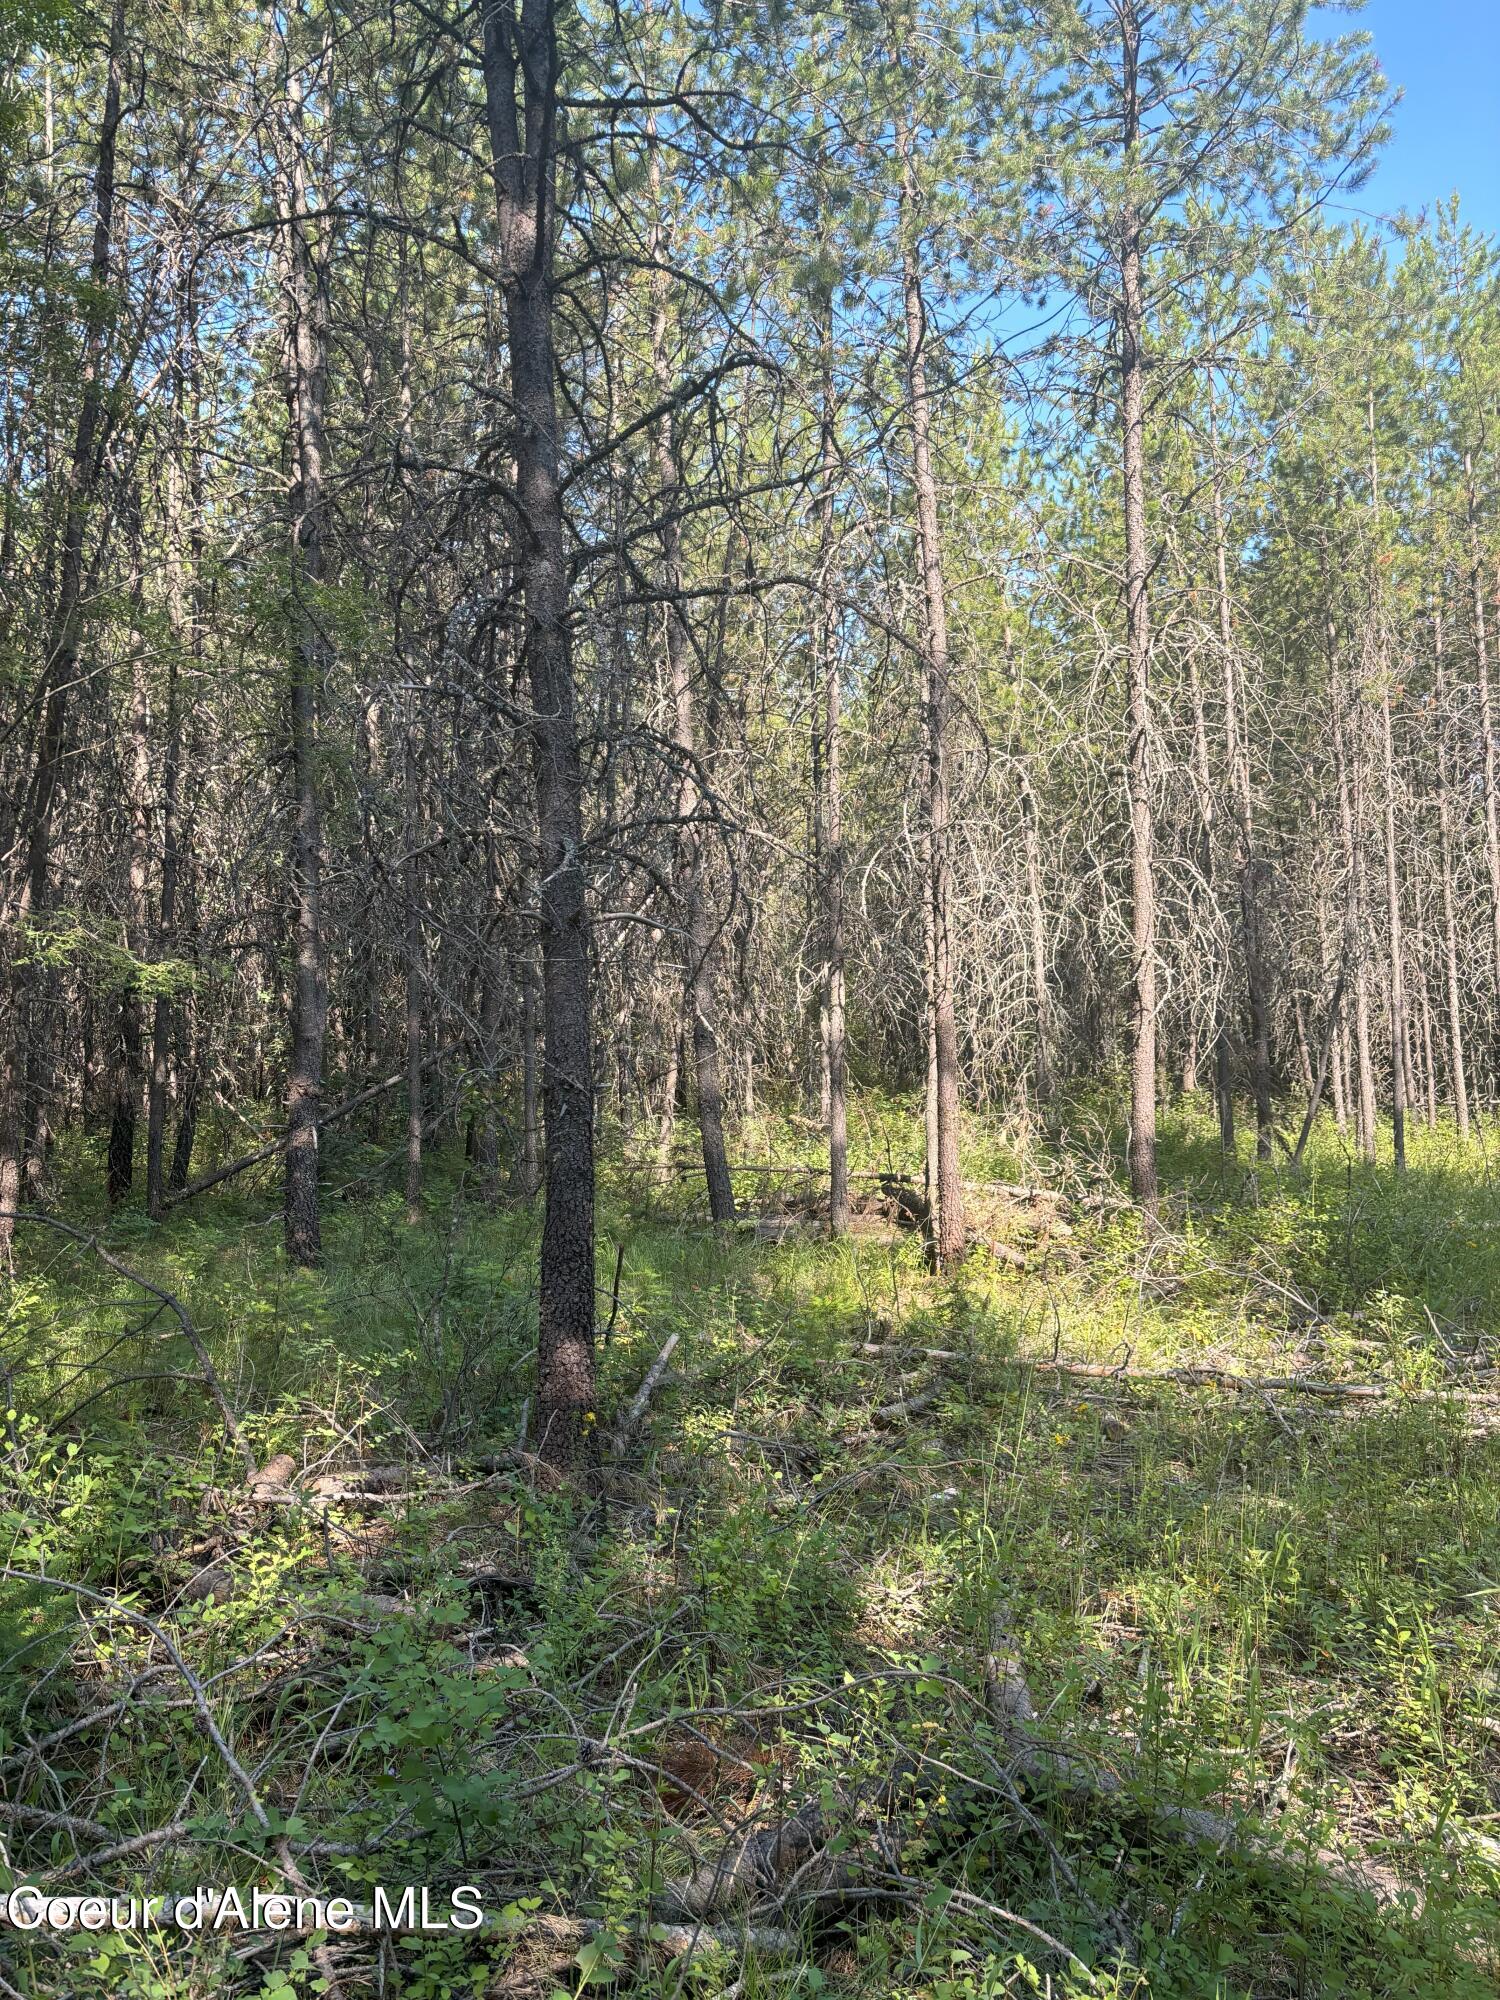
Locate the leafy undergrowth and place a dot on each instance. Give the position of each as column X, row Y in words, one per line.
column 786, row 1606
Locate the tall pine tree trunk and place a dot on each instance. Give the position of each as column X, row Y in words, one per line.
column 26, row 1071
column 1203, row 783
column 1486, row 714
column 1350, row 824
column 1401, row 1083
column 413, row 956
column 1452, row 989
column 520, row 50
column 183, row 546
column 1130, row 332
column 1041, row 994
column 946, row 1188
column 120, row 1163
column 697, row 917
column 830, row 811
column 1237, row 734
column 1142, row 1149
column 305, row 356
column 1400, row 1080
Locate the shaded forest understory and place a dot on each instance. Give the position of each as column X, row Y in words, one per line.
column 1116, row 1603
column 749, row 1002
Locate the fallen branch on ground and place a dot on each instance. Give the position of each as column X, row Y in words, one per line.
column 169, row 1299
column 1013, row 1712
column 1193, row 1376
column 627, row 1425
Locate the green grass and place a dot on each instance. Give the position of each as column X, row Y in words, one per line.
column 1290, row 1605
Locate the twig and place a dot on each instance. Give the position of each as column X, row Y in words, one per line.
column 1013, row 1712
column 195, row 1687
column 168, row 1299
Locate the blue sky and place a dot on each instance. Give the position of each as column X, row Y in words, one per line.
column 1445, row 54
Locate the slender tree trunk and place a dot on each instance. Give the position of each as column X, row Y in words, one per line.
column 520, row 49
column 930, row 1130
column 487, row 1131
column 1339, row 1044
column 830, row 843
column 693, row 901
column 1041, row 994
column 666, row 1129
column 10, row 1135
column 186, row 630
column 1411, row 1047
column 413, row 942
column 413, row 953
column 189, row 1072
column 1247, row 864
column 1400, row 1061
column 1131, row 333
column 491, row 1010
column 1399, row 1077
column 1341, row 1077
column 305, row 337
column 1188, row 1074
column 1486, row 715
column 26, row 1072
column 1351, row 828
column 1304, row 1051
column 1452, row 988
column 1429, row 1071
column 1203, row 784
column 120, row 1170
column 1317, row 1077
column 948, row 1222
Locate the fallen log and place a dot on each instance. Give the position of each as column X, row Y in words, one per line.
column 891, row 1416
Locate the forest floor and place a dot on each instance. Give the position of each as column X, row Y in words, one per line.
column 890, row 1664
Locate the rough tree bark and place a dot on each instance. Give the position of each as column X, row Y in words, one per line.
column 304, row 354
column 528, row 1165
column 520, row 50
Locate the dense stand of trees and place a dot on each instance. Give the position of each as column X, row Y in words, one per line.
column 561, row 565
